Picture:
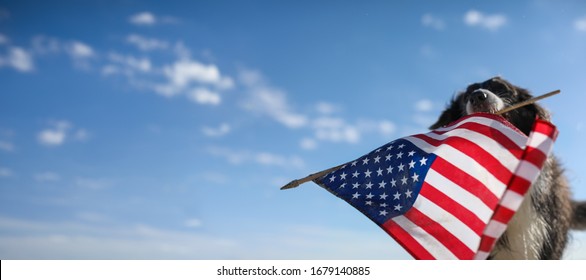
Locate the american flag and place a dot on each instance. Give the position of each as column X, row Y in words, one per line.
column 449, row 193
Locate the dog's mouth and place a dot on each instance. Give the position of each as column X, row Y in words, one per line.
column 483, row 101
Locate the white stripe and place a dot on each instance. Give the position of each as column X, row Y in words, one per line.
column 541, row 142
column 495, row 229
column 432, row 245
column 527, row 171
column 448, row 221
column 481, row 255
column 463, row 162
column 517, row 137
column 460, row 195
column 504, row 155
column 511, row 200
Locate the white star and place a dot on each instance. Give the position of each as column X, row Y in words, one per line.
column 397, row 196
column 383, row 196
column 423, row 161
column 398, row 207
column 415, row 177
column 355, row 195
column 390, row 170
column 390, row 147
column 404, row 180
column 383, row 213
column 401, row 146
column 377, row 159
column 382, row 185
column 379, row 172
column 401, row 167
column 365, row 161
column 411, row 153
column 388, row 157
column 368, row 202
column 332, row 178
column 369, row 185
column 355, row 174
column 408, row 193
column 355, row 185
column 400, row 155
column 343, row 176
column 343, row 186
column 367, row 173
column 369, row 196
column 411, row 164
column 393, row 182
column 377, row 150
column 384, row 205
column 354, row 163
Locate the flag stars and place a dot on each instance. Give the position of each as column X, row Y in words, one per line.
column 377, row 159
column 383, row 196
column 384, row 205
column 411, row 164
column 379, row 172
column 401, row 146
column 354, row 163
column 356, row 195
column 383, row 213
column 355, row 185
column 390, row 147
column 332, row 178
column 398, row 207
column 388, row 157
column 355, row 174
column 390, row 170
column 382, row 185
column 401, row 167
column 415, row 177
column 342, row 186
column 343, row 176
column 393, row 182
column 408, row 193
column 404, row 180
column 400, row 155
column 368, row 202
column 423, row 161
column 369, row 196
column 397, row 196
column 365, row 161
column 411, row 153
column 369, row 185
column 367, row 173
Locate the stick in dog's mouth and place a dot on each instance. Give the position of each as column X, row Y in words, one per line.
column 527, row 102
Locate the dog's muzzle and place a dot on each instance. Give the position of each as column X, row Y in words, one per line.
column 482, row 100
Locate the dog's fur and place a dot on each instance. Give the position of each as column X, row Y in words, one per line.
column 540, row 228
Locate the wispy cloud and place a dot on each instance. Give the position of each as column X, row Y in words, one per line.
column 266, row 100
column 431, row 21
column 193, row 223
column 221, row 130
column 489, row 22
column 424, row 105
column 48, row 176
column 580, row 24
column 4, row 39
column 147, row 44
column 59, row 131
column 18, row 58
column 263, row 158
column 204, row 96
column 183, row 73
column 143, row 18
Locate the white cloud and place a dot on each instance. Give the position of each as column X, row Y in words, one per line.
column 182, row 74
column 326, row 108
column 127, row 64
column 47, row 177
column 146, row 44
column 580, row 24
column 193, row 223
column 5, row 172
column 19, row 59
column 80, row 50
column 3, row 39
column 6, row 146
column 490, row 22
column 42, row 44
column 143, row 18
column 204, row 96
column 424, row 105
column 59, row 131
column 428, row 20
column 308, row 144
column 222, row 130
column 334, row 129
column 269, row 101
column 263, row 158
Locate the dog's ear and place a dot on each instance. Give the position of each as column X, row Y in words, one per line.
column 452, row 112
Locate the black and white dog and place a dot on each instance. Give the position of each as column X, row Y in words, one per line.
column 540, row 228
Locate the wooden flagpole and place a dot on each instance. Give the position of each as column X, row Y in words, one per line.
column 296, row 183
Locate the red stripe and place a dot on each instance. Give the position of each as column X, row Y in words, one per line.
column 474, row 151
column 494, row 117
column 465, row 181
column 460, row 212
column 433, row 228
column 519, row 185
column 406, row 240
column 535, row 156
column 492, row 133
column 486, row 244
column 503, row 214
column 546, row 128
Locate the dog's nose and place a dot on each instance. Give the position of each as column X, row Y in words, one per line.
column 478, row 96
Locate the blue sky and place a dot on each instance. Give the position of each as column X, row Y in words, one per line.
column 151, row 130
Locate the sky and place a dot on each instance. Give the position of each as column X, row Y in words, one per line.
column 164, row 129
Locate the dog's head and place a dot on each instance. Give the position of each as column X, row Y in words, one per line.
column 491, row 96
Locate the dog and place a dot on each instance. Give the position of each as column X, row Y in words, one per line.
column 540, row 228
